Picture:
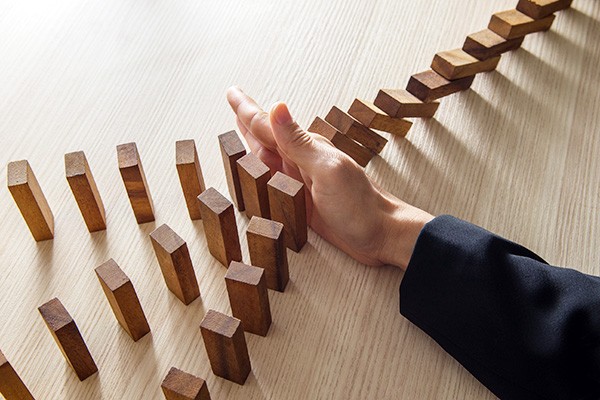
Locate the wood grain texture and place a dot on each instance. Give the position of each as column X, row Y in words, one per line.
column 486, row 44
column 511, row 24
column 136, row 186
column 538, row 9
column 11, row 385
column 355, row 150
column 457, row 64
column 399, row 103
column 429, row 85
column 371, row 116
column 232, row 149
column 355, row 130
column 267, row 250
column 190, row 175
column 179, row 385
column 254, row 175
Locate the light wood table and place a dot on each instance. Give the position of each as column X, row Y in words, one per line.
column 517, row 154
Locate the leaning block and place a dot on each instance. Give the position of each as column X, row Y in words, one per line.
column 539, row 9
column 30, row 199
column 486, row 44
column 355, row 150
column 190, row 175
column 372, row 117
column 67, row 337
column 220, row 227
column 511, row 24
column 179, row 385
column 175, row 263
column 232, row 149
column 399, row 103
column 254, row 175
column 288, row 206
column 456, row 64
column 226, row 346
column 355, row 130
column 267, row 250
column 11, row 385
column 132, row 172
column 429, row 85
column 123, row 299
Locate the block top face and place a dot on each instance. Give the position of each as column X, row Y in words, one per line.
column 112, row 275
column 18, row 172
column 231, row 143
column 75, row 163
column 402, row 95
column 128, row 155
column 285, row 184
column 185, row 151
column 432, row 78
column 513, row 17
column 220, row 323
column 255, row 167
column 55, row 314
column 183, row 383
column 457, row 57
column 214, row 200
column 167, row 238
column 323, row 128
column 245, row 273
column 265, row 227
column 339, row 119
column 487, row 37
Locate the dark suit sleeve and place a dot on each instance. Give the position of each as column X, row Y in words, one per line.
column 523, row 328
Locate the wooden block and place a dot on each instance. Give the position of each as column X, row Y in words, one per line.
column 175, row 263
column 67, row 337
column 486, row 44
column 428, row 85
column 511, row 24
column 226, row 346
column 372, row 117
column 232, row 149
column 11, row 385
column 254, row 175
column 355, row 150
column 247, row 291
column 287, row 199
column 190, row 175
column 179, row 385
column 400, row 103
column 30, row 199
column 85, row 191
column 220, row 227
column 457, row 64
column 123, row 299
column 350, row 127
column 539, row 9
column 267, row 250
column 132, row 172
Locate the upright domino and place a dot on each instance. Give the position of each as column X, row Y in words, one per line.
column 254, row 175
column 123, row 299
column 232, row 149
column 400, row 103
column 511, row 24
column 11, row 385
column 132, row 172
column 539, row 9
column 267, row 250
column 372, row 117
column 350, row 127
column 30, row 199
column 355, row 150
column 67, row 337
column 429, row 85
column 457, row 64
column 487, row 44
column 190, row 175
column 287, row 200
column 179, row 385
column 175, row 263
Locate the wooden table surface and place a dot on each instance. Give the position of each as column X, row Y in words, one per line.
column 517, row 154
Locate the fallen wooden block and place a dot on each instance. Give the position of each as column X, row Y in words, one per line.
column 123, row 299
column 220, row 227
column 511, row 24
column 372, row 117
column 232, row 149
column 247, row 291
column 355, row 150
column 487, row 44
column 11, row 385
column 30, row 199
column 67, row 337
column 254, row 175
column 287, row 200
column 267, row 250
column 226, row 346
column 179, row 385
column 457, row 64
column 350, row 127
column 539, row 9
column 399, row 103
column 190, row 175
column 175, row 263
column 132, row 172
column 429, row 85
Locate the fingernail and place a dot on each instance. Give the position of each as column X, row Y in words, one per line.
column 282, row 114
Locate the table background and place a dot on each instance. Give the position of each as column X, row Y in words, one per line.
column 517, row 154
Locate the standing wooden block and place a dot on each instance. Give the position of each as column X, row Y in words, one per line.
column 190, row 175
column 67, row 337
column 372, row 117
column 428, row 85
column 350, row 127
column 11, row 385
column 288, row 206
column 85, row 191
column 179, row 385
column 511, row 24
column 123, row 299
column 30, row 199
column 267, row 250
column 226, row 346
column 538, row 9
column 232, row 149
column 486, row 44
column 254, row 175
column 220, row 227
column 175, row 263
column 132, row 172
column 355, row 150
column 400, row 103
column 456, row 64
column 247, row 291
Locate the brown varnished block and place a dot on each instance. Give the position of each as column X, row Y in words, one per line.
column 123, row 299
column 371, row 116
column 457, row 64
column 132, row 172
column 175, row 263
column 267, row 250
column 287, row 200
column 539, row 9
column 350, row 127
column 68, row 338
column 247, row 291
column 179, row 385
column 355, row 150
column 399, row 103
column 30, row 199
column 232, row 149
column 511, row 24
column 220, row 227
column 85, row 191
column 226, row 346
column 429, row 85
column 190, row 175
column 254, row 175
column 11, row 385
column 487, row 44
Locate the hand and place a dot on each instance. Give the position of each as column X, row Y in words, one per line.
column 344, row 205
